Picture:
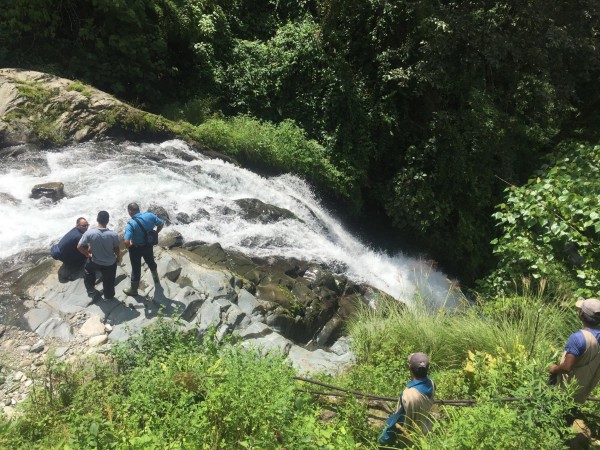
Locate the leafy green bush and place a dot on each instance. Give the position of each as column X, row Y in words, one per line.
column 164, row 389
column 534, row 420
column 550, row 227
column 492, row 427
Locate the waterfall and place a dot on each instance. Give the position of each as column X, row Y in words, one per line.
column 108, row 176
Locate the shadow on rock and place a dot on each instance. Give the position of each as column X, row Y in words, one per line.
column 165, row 305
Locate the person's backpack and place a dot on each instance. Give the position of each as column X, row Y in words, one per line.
column 151, row 236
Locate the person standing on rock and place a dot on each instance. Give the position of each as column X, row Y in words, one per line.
column 414, row 404
column 67, row 252
column 136, row 240
column 101, row 247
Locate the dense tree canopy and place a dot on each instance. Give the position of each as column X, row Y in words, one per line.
column 425, row 105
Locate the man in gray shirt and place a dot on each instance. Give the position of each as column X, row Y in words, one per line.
column 101, row 247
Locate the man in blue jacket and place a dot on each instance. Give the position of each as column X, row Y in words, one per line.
column 136, row 240
column 66, row 250
column 414, row 403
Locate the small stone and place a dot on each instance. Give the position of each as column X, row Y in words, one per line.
column 28, row 383
column 9, row 411
column 97, row 340
column 60, row 351
column 92, row 327
column 24, row 348
column 108, row 327
column 17, row 376
column 26, row 363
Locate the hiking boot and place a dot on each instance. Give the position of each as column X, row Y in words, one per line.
column 155, row 276
column 133, row 289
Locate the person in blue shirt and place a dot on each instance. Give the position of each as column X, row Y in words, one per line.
column 581, row 358
column 136, row 240
column 414, row 403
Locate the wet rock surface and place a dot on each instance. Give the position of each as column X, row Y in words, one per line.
column 284, row 305
column 54, row 191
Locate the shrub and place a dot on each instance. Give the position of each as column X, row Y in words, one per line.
column 550, row 227
column 167, row 390
column 278, row 149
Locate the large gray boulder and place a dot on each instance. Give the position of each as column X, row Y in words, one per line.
column 286, row 309
column 255, row 210
column 53, row 190
column 72, row 112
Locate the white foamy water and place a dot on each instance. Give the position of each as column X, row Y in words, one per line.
column 108, row 177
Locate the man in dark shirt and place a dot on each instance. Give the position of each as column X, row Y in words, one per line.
column 66, row 250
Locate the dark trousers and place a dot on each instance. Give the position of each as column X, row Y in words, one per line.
column 135, row 256
column 108, row 277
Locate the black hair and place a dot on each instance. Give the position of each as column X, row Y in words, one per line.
column 103, row 217
column 420, row 372
column 593, row 321
column 79, row 219
column 133, row 207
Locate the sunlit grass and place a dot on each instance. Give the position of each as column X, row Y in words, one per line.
column 392, row 328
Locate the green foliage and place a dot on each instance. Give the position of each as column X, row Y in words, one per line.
column 493, row 426
column 142, row 50
column 277, row 149
column 290, row 76
column 164, row 389
column 550, row 227
column 537, row 418
column 393, row 328
column 36, row 93
column 194, row 111
column 43, row 114
column 80, row 87
column 487, row 352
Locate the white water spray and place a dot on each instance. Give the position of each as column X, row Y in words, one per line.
column 109, row 176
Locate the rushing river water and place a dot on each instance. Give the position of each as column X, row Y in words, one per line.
column 108, row 176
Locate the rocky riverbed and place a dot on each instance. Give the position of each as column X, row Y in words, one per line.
column 288, row 306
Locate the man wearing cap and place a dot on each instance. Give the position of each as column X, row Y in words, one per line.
column 101, row 246
column 414, row 403
column 581, row 359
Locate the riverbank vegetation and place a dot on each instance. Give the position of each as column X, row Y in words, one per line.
column 165, row 389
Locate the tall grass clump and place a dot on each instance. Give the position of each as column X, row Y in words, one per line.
column 489, row 351
column 384, row 336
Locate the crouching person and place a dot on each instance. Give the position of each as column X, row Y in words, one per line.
column 414, row 404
